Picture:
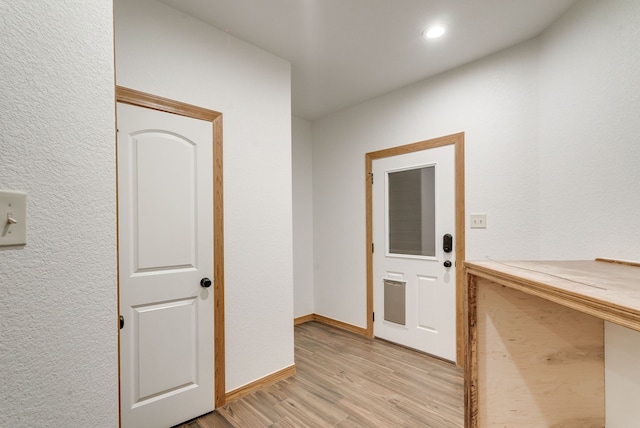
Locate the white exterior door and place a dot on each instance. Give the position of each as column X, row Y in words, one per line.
column 165, row 232
column 414, row 290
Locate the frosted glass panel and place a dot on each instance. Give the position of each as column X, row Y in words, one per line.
column 411, row 212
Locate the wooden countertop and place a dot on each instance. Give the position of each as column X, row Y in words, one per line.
column 604, row 288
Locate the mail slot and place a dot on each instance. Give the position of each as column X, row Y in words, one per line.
column 394, row 301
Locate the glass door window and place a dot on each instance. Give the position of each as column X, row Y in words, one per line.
column 411, row 219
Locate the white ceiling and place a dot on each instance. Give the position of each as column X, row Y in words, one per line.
column 343, row 52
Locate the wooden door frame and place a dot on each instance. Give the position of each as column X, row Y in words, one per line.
column 458, row 141
column 142, row 99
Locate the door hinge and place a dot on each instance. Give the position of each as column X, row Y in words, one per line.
column 373, row 316
column 371, row 176
column 372, row 249
column 121, row 322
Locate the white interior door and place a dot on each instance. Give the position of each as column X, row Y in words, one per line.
column 414, row 292
column 165, row 231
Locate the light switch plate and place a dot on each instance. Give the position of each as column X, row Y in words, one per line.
column 13, row 218
column 478, row 221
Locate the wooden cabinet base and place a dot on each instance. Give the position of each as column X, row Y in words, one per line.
column 539, row 363
column 535, row 340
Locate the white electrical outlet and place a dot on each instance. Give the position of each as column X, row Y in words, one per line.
column 478, row 221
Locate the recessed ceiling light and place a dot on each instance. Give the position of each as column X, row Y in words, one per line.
column 434, row 32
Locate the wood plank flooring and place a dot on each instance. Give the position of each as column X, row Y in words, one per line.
column 345, row 380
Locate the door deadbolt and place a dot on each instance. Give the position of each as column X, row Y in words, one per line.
column 447, row 243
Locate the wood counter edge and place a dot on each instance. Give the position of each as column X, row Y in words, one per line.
column 608, row 311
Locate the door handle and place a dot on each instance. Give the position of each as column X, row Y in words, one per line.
column 447, row 263
column 205, row 282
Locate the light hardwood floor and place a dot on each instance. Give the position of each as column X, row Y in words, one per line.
column 345, row 380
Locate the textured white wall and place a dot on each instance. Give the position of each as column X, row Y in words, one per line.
column 165, row 52
column 58, row 318
column 589, row 128
column 302, row 217
column 495, row 102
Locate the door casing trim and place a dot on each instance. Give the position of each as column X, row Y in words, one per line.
column 458, row 141
column 142, row 99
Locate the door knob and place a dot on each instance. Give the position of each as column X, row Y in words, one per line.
column 205, row 282
column 447, row 263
